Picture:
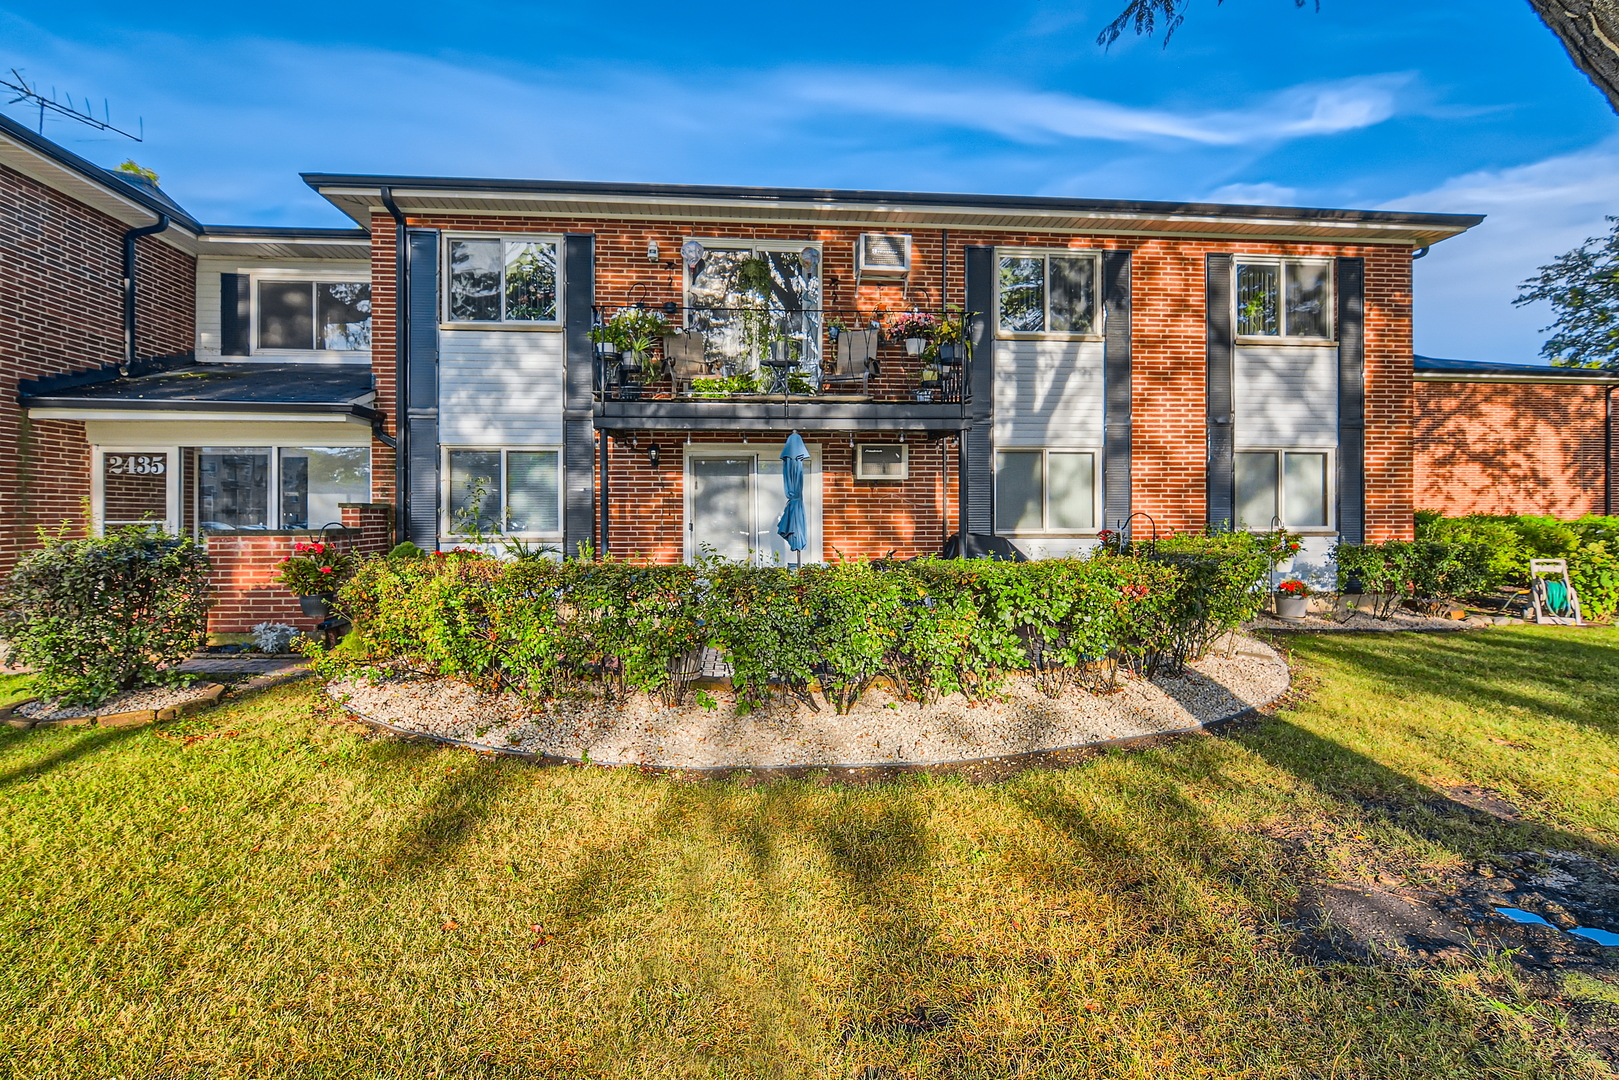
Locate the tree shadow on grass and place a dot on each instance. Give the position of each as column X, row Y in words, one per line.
column 1471, row 668
column 453, row 812
column 91, row 740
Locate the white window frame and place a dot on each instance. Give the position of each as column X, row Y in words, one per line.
column 446, row 524
column 273, row 494
column 1045, row 453
column 1050, row 335
column 1282, row 262
column 98, row 486
column 502, row 324
column 904, row 462
column 743, row 243
column 1331, row 527
column 343, row 355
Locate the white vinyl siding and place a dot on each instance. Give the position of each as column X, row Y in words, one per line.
column 1048, row 393
column 209, row 269
column 1286, row 396
column 500, row 389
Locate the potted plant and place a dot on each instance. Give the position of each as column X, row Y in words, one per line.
column 314, row 572
column 916, row 329
column 625, row 339
column 1293, row 599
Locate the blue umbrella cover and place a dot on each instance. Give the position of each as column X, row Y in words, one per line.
column 792, row 526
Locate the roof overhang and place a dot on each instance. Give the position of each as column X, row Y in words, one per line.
column 45, row 408
column 1431, row 369
column 360, row 197
column 247, row 242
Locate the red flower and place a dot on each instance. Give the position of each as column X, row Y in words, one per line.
column 326, row 570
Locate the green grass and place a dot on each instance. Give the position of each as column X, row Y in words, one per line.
column 262, row 891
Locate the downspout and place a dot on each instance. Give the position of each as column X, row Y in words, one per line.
column 128, row 363
column 401, row 370
column 1607, row 452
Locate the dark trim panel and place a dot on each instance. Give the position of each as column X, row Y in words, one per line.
column 1221, row 414
column 1116, row 388
column 421, row 417
column 235, row 315
column 578, row 449
column 1351, row 292
column 980, row 472
column 758, row 416
column 322, row 408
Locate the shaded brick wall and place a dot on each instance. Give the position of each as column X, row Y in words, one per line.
column 245, row 590
column 1509, row 448
column 61, row 310
column 1168, row 356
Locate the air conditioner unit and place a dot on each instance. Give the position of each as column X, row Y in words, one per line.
column 883, row 255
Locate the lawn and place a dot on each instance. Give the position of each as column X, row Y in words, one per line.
column 266, row 891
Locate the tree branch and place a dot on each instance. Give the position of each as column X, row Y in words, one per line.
column 1589, row 31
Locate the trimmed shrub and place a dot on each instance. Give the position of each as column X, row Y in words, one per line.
column 100, row 616
column 543, row 628
column 1495, row 550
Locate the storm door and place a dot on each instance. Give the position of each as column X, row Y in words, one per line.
column 720, row 517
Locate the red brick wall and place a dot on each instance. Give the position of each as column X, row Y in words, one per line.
column 1168, row 355
column 1509, row 448
column 61, row 310
column 245, row 591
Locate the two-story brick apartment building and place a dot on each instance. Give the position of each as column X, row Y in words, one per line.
column 1171, row 365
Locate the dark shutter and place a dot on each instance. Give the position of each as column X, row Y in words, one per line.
column 1222, row 439
column 578, row 442
column 1116, row 383
column 981, row 438
column 235, row 315
column 421, row 417
column 1351, row 289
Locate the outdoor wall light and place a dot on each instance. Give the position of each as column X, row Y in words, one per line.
column 652, row 455
column 651, row 251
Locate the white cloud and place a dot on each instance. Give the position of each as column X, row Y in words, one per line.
column 1261, row 194
column 1465, row 286
column 1041, row 116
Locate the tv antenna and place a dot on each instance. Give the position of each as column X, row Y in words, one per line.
column 33, row 97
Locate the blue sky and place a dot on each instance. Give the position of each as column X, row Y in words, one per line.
column 1442, row 105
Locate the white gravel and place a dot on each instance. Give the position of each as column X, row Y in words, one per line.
column 152, row 697
column 880, row 729
column 1362, row 623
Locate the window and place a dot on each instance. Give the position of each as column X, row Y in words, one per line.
column 882, row 462
column 233, row 486
column 1284, row 486
column 332, row 316
column 134, row 489
column 1045, row 491
column 716, row 302
column 514, row 492
column 511, row 281
column 1285, row 298
column 1047, row 293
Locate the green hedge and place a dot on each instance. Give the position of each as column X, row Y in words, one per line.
column 1504, row 544
column 543, row 628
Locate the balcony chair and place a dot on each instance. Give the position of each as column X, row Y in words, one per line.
column 685, row 353
column 856, row 360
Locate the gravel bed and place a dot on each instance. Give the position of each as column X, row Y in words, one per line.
column 880, row 730
column 153, row 697
column 1362, row 623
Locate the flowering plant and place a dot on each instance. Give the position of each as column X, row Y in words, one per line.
column 913, row 324
column 316, row 567
column 1294, row 587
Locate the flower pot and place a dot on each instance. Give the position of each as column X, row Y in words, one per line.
column 317, row 606
column 1292, row 606
column 924, row 395
column 915, row 345
column 947, row 352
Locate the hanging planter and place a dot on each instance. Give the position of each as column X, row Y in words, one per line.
column 915, row 345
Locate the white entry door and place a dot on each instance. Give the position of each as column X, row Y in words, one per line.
column 734, row 497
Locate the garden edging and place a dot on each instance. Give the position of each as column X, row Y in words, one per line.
column 207, row 697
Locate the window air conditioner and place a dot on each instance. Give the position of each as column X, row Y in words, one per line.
column 880, row 254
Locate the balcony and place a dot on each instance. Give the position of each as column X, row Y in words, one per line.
column 843, row 380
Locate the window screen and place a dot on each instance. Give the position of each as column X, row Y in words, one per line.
column 317, row 480
column 1309, row 291
column 344, row 310
column 233, row 487
column 1304, row 494
column 531, row 491
column 474, row 491
column 1072, row 499
column 1256, row 490
column 1017, row 491
column 286, row 315
column 475, row 267
column 1258, row 288
column 1073, row 294
column 1023, row 293
column 531, row 282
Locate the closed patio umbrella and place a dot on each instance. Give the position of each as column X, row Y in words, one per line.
column 792, row 526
